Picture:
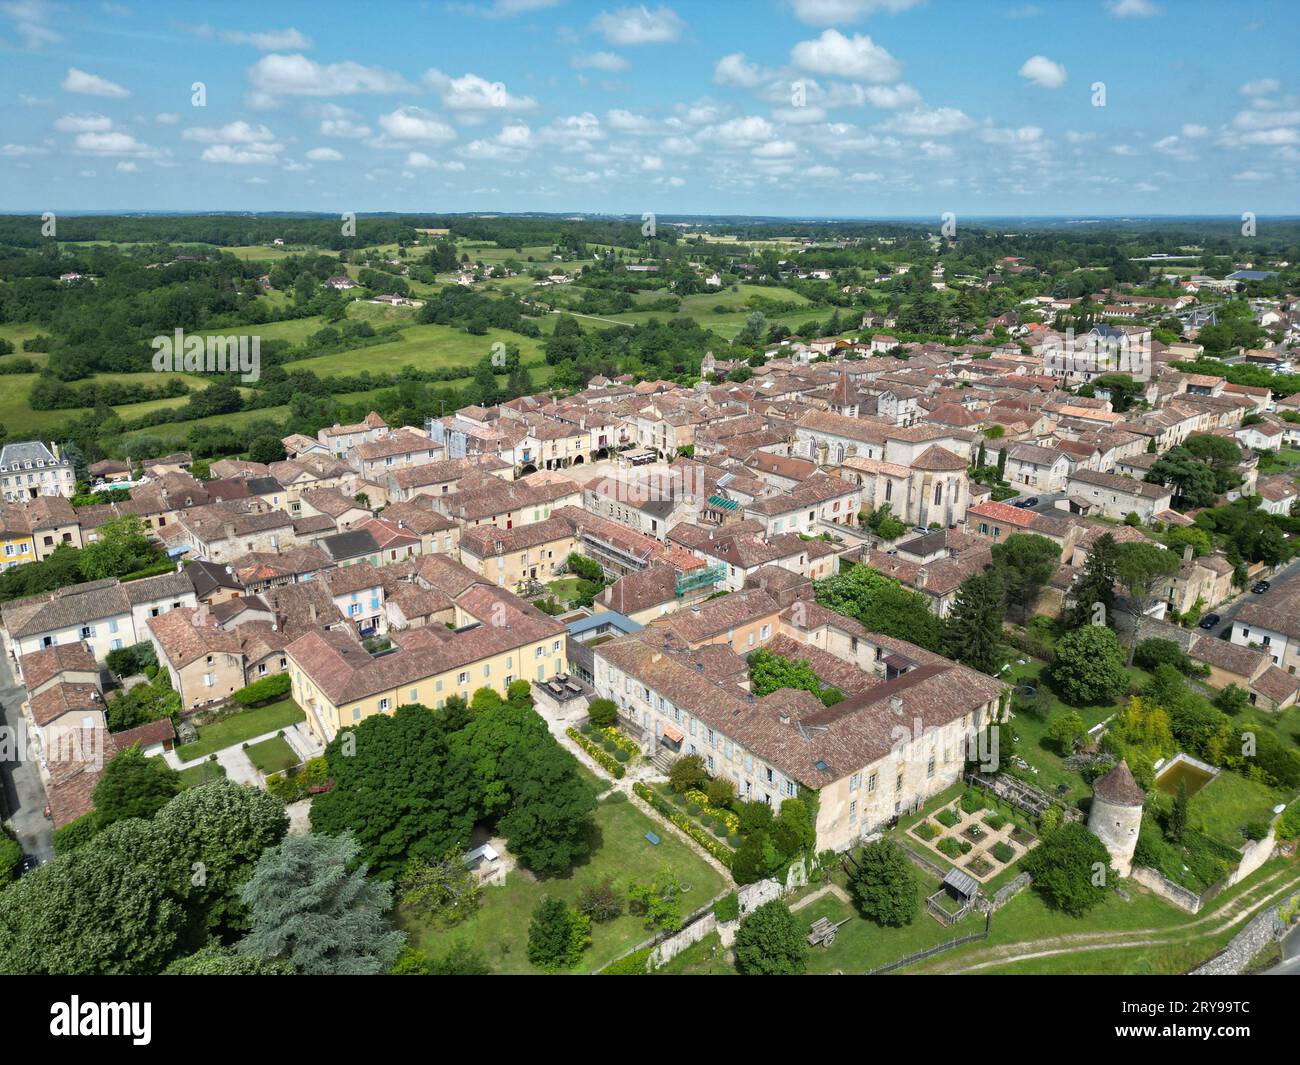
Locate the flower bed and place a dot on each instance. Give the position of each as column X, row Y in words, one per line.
column 1003, row 852
column 298, row 782
column 926, row 830
column 708, row 814
column 599, row 755
column 947, row 818
column 621, row 742
column 692, row 828
column 979, row 867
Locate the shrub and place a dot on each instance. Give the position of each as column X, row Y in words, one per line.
column 972, row 801
column 947, row 818
column 693, row 809
column 727, row 908
column 1255, row 830
column 633, row 964
column 720, row 830
column 688, row 773
column 995, row 821
column 601, row 902
column 621, row 755
column 1153, row 652
column 926, row 830
column 602, row 713
column 1288, row 826
column 950, row 847
column 1003, row 852
column 601, row 757
column 266, row 690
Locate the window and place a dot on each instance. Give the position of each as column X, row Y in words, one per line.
column 855, row 781
column 767, row 631
column 384, row 704
column 356, row 713
column 853, row 812
column 415, row 695
column 871, row 783
column 89, row 630
column 929, row 769
column 208, row 680
column 898, row 783
column 462, row 678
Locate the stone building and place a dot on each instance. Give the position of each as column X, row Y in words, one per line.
column 1116, row 814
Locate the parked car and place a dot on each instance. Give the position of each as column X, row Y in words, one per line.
column 28, row 864
column 1210, row 620
column 1260, row 587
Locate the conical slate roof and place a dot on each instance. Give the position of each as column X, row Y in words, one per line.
column 1118, row 787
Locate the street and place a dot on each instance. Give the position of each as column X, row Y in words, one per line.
column 24, row 794
column 1229, row 610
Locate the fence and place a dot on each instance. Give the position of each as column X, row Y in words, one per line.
column 921, row 955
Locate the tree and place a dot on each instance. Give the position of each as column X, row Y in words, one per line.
column 444, row 891
column 884, row 884
column 557, row 935
column 601, row 902
column 769, row 942
column 659, row 902
column 973, row 628
column 1193, row 482
column 770, row 672
column 1177, row 824
column 134, row 786
column 1143, row 570
column 602, row 713
column 460, row 960
column 1089, row 666
column 400, row 786
column 1096, row 586
column 881, row 604
column 1065, row 730
column 210, row 838
column 312, row 905
column 224, row 961
column 1025, row 562
column 1071, row 869
column 686, row 773
column 94, row 911
column 266, row 449
column 121, row 548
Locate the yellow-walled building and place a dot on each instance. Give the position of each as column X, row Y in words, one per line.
column 498, row 639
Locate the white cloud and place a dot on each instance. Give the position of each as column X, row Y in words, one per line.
column 857, row 57
column 1261, row 87
column 1252, row 175
column 775, row 150
column 336, row 121
column 83, row 123
column 821, row 173
column 651, row 162
column 127, row 167
column 1122, row 149
column 325, row 155
column 831, row 12
column 92, row 85
column 1132, row 8
column 1043, row 72
column 606, row 61
column 239, row 132
column 416, row 124
column 241, row 154
column 167, row 118
column 421, row 161
column 735, row 69
column 112, row 144
column 928, row 122
column 296, row 75
column 17, row 151
column 469, row 92
column 629, row 121
column 745, row 130
column 890, row 97
column 1192, row 130
column 286, row 40
column 639, row 25
column 32, row 22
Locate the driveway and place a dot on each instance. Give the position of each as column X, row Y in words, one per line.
column 23, row 796
column 1278, row 581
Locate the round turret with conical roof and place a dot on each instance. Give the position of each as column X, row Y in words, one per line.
column 1116, row 814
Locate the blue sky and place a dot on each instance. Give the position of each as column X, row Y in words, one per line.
column 780, row 107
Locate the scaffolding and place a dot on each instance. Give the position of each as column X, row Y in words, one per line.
column 701, row 578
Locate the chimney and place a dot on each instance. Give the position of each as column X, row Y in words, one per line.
column 228, row 529
column 922, row 575
column 1187, row 553
column 896, row 704
column 784, row 718
column 311, row 609
column 699, row 667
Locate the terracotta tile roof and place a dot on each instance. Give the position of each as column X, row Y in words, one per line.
column 1118, row 787
column 40, row 666
column 185, row 636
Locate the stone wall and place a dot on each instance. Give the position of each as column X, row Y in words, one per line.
column 1180, row 896
column 1246, row 944
column 679, row 941
column 1009, row 891
column 704, row 923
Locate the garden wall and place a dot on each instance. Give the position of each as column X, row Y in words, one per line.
column 1184, row 898
column 1258, row 933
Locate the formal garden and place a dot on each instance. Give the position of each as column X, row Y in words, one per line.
column 977, row 834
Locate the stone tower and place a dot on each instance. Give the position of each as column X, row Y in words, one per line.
column 1116, row 814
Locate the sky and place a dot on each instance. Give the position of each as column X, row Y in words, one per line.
column 801, row 108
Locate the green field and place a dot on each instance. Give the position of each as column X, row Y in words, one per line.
column 499, row 931
column 426, row 347
column 273, row 755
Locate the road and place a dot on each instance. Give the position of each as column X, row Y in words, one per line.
column 24, row 794
column 1278, row 580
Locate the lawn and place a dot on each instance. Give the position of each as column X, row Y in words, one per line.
column 426, row 347
column 500, row 929
column 273, row 755
column 239, row 727
column 705, row 958
column 1227, row 803
column 202, row 773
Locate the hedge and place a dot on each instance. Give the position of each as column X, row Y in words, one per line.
column 692, row 828
column 602, row 758
column 290, row 785
column 633, row 964
column 266, row 690
column 727, row 908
